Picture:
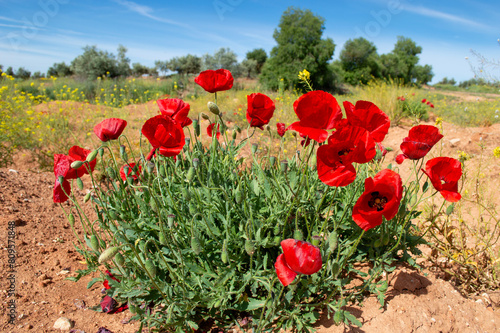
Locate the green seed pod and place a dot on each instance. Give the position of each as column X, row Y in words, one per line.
column 150, row 167
column 298, row 235
column 151, row 268
column 108, row 254
column 112, row 215
column 132, row 308
column 79, row 183
column 86, row 197
column 333, row 241
column 195, row 245
column 76, row 164
column 71, row 219
column 111, row 172
column 94, row 243
column 335, row 269
column 119, row 259
column 204, row 116
column 92, row 156
column 60, row 179
column 190, row 174
column 249, row 247
column 223, row 254
column 212, row 107
column 170, row 220
column 153, row 205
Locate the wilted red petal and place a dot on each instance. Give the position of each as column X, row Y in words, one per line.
column 210, row 129
column 110, row 129
column 400, row 158
column 281, row 128
column 130, row 172
column 301, row 257
column 368, row 116
column 444, row 173
column 260, row 109
column 420, row 140
column 176, row 109
column 108, row 304
column 387, row 188
column 59, row 194
column 285, row 274
column 62, row 165
column 213, row 81
column 317, row 111
column 106, row 284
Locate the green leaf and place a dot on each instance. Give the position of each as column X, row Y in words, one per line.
column 255, row 187
column 251, row 305
column 92, row 282
column 425, row 187
column 450, row 209
column 350, row 317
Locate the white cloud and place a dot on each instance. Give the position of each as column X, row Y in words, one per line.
column 147, row 12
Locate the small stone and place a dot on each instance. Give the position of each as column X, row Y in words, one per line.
column 454, row 142
column 29, row 326
column 43, row 277
column 63, row 324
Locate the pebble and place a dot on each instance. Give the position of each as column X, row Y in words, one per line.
column 63, row 324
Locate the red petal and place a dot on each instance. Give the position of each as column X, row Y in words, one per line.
column 317, row 109
column 59, row 195
column 285, row 274
column 110, row 129
column 301, row 257
column 315, row 134
column 368, row 116
column 213, row 81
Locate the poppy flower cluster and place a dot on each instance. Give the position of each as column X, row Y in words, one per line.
column 424, row 101
column 298, row 257
column 62, row 168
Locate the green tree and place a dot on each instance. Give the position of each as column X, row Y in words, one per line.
column 139, row 69
column 123, row 62
column 59, row 69
column 95, row 63
column 9, row 71
column 259, row 56
column 300, row 46
column 249, row 68
column 223, row 58
column 37, row 75
column 360, row 61
column 23, row 73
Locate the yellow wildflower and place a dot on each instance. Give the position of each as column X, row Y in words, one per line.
column 304, row 75
column 496, row 152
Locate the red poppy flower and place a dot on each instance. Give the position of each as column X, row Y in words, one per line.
column 306, row 142
column 419, row 142
column 260, row 109
column 317, row 112
column 298, row 258
column 106, row 283
column 79, row 154
column 428, row 103
column 210, row 129
column 176, row 109
column 424, row 100
column 367, row 115
column 213, row 81
column 444, row 173
column 432, row 106
column 62, row 165
column 110, row 129
column 164, row 134
column 132, row 171
column 59, row 195
column 281, row 128
column 381, row 197
column 345, row 146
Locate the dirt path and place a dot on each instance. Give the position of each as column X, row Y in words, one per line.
column 416, row 301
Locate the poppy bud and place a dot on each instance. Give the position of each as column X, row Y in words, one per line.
column 71, row 219
column 315, row 240
column 101, row 152
column 196, row 162
column 333, row 241
column 123, row 153
column 151, row 268
column 204, row 116
column 86, row 197
column 212, row 107
column 170, row 220
column 272, row 160
column 111, row 172
column 120, row 261
column 284, row 165
column 60, row 179
column 238, row 129
column 190, row 174
column 76, row 164
column 150, row 167
column 298, row 235
column 79, row 183
column 335, row 269
column 234, row 134
column 196, row 127
column 249, row 247
column 238, row 196
column 254, row 148
column 267, row 128
column 163, row 240
column 108, row 254
column 185, row 194
column 223, row 255
column 94, row 243
column 188, row 142
column 195, row 245
column 112, row 215
column 385, row 239
column 92, row 156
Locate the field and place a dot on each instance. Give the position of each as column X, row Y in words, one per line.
column 43, row 117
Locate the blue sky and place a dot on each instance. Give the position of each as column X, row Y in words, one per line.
column 36, row 33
